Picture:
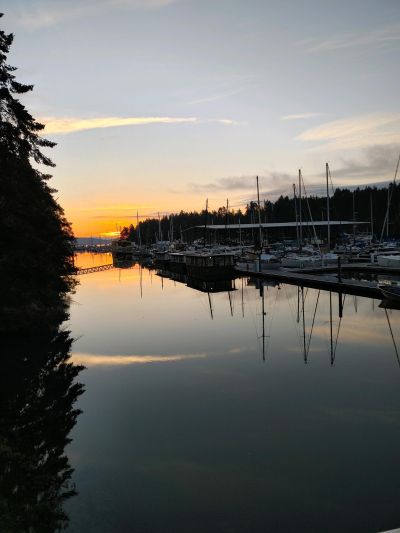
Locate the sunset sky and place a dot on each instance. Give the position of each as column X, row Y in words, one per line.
column 157, row 105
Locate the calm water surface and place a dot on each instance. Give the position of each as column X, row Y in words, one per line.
column 188, row 427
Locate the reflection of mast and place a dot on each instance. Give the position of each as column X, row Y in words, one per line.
column 391, row 333
column 230, row 302
column 298, row 304
column 312, row 325
column 330, row 325
column 263, row 320
column 304, row 325
column 211, row 309
column 141, row 280
column 341, row 303
column 242, row 298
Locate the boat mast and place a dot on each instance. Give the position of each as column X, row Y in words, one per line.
column 259, row 215
column 139, row 240
column 300, row 221
column 372, row 218
column 386, row 221
column 295, row 214
column 205, row 222
column 226, row 220
column 159, row 228
column 327, row 206
column 388, row 211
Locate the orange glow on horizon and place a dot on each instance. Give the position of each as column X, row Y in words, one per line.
column 105, row 217
column 106, row 220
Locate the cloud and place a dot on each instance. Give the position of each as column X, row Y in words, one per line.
column 88, row 359
column 70, row 125
column 382, row 37
column 274, row 183
column 356, row 132
column 46, row 14
column 300, row 116
column 376, row 165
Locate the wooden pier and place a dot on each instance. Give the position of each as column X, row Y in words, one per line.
column 90, row 270
column 321, row 281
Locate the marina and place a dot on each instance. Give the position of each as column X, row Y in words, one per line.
column 200, row 300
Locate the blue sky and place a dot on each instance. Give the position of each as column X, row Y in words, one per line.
column 158, row 104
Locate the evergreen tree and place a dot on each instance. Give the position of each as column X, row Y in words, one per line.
column 36, row 239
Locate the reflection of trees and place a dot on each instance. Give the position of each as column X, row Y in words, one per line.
column 37, row 396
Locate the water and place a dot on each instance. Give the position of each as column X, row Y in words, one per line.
column 187, row 426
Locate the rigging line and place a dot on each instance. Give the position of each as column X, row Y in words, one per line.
column 390, row 199
column 337, row 332
column 272, row 318
column 309, row 211
column 394, row 342
column 330, row 177
column 297, row 328
column 312, row 325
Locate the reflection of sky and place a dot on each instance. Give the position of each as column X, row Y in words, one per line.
column 216, row 440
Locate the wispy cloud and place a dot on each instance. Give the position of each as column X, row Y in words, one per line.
column 89, row 359
column 300, row 116
column 273, row 183
column 381, row 37
column 356, row 132
column 215, row 97
column 376, row 165
column 46, row 13
column 70, row 125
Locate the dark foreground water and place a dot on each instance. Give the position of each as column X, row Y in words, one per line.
column 188, row 427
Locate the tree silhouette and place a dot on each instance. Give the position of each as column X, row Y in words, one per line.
column 36, row 238
column 37, row 396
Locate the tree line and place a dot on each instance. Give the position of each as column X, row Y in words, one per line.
column 363, row 204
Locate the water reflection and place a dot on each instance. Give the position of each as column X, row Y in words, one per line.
column 37, row 396
column 185, row 429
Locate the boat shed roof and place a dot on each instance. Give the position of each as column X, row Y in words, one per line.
column 268, row 225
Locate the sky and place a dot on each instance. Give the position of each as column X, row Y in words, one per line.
column 157, row 105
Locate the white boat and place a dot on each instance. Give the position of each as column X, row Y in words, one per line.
column 258, row 262
column 392, row 261
column 329, row 259
column 300, row 261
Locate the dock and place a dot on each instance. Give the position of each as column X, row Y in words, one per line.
column 319, row 281
column 90, row 270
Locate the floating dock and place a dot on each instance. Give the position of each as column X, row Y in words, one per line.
column 319, row 278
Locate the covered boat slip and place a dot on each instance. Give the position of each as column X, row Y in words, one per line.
column 281, row 230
